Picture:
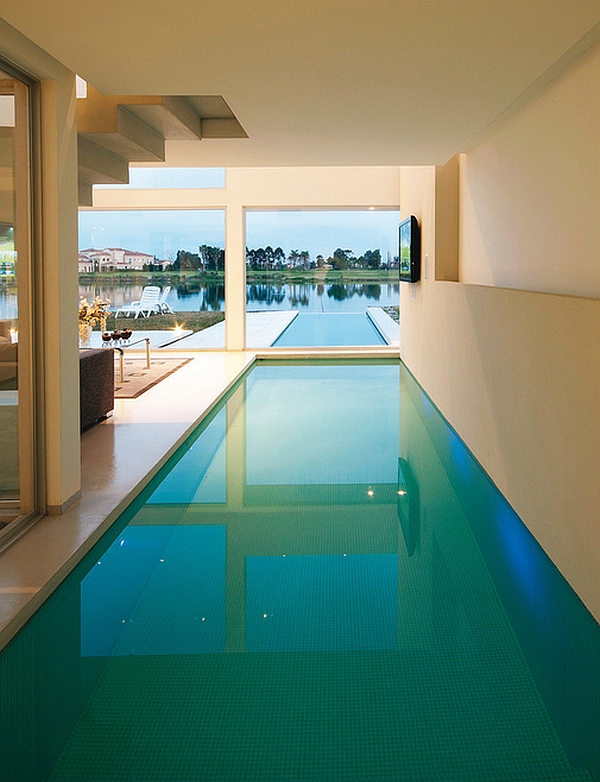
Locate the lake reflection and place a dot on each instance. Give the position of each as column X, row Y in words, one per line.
column 197, row 296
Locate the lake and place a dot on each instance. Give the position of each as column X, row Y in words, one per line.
column 329, row 297
column 317, row 304
column 192, row 297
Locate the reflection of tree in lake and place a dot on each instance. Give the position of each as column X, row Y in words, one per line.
column 338, row 292
column 372, row 291
column 188, row 289
column 213, row 297
column 210, row 297
column 341, row 292
column 300, row 294
column 200, row 294
column 268, row 294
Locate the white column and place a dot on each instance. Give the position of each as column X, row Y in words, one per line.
column 235, row 277
column 58, row 325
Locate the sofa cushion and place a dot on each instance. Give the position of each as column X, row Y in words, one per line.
column 8, row 350
column 96, row 384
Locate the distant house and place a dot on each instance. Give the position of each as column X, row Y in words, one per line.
column 114, row 259
column 85, row 263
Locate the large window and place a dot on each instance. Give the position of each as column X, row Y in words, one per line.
column 321, row 278
column 16, row 400
column 182, row 251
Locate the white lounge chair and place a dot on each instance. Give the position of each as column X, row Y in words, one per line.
column 162, row 302
column 145, row 306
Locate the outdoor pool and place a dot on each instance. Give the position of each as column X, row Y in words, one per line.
column 330, row 329
column 321, row 585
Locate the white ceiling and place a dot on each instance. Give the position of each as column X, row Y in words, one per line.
column 320, row 82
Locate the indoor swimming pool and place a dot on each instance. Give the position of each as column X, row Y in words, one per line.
column 321, row 585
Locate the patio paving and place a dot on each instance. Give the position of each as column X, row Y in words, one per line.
column 387, row 327
column 262, row 329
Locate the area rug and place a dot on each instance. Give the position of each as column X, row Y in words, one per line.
column 139, row 379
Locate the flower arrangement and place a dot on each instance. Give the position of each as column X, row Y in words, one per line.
column 95, row 313
column 89, row 316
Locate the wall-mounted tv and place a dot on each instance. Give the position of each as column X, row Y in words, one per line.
column 410, row 250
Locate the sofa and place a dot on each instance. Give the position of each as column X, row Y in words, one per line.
column 96, row 385
column 96, row 377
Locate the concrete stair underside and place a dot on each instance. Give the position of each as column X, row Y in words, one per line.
column 114, row 131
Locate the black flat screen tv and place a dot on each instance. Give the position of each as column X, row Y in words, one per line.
column 410, row 250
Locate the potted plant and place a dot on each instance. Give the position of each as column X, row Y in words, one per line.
column 91, row 315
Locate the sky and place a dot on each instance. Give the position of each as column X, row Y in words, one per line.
column 163, row 232
column 322, row 232
column 158, row 232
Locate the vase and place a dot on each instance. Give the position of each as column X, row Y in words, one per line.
column 85, row 335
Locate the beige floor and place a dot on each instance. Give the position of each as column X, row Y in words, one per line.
column 119, row 456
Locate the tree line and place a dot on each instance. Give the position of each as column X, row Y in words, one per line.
column 267, row 258
column 208, row 258
column 212, row 259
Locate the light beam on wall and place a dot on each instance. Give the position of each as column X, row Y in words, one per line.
column 80, row 87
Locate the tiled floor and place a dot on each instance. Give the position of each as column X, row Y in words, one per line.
column 117, row 457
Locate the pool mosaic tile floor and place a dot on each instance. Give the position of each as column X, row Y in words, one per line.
column 295, row 613
column 453, row 700
column 311, row 717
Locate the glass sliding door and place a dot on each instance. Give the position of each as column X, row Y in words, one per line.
column 16, row 397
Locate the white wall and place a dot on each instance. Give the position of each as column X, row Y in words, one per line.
column 326, row 187
column 517, row 372
column 530, row 191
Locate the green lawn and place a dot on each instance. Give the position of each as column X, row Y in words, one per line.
column 297, row 276
column 196, row 321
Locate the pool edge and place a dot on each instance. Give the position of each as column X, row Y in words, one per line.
column 70, row 536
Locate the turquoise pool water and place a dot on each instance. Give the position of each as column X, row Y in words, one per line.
column 331, row 329
column 322, row 585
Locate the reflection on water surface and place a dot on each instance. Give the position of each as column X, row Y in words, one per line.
column 323, row 585
column 195, row 296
